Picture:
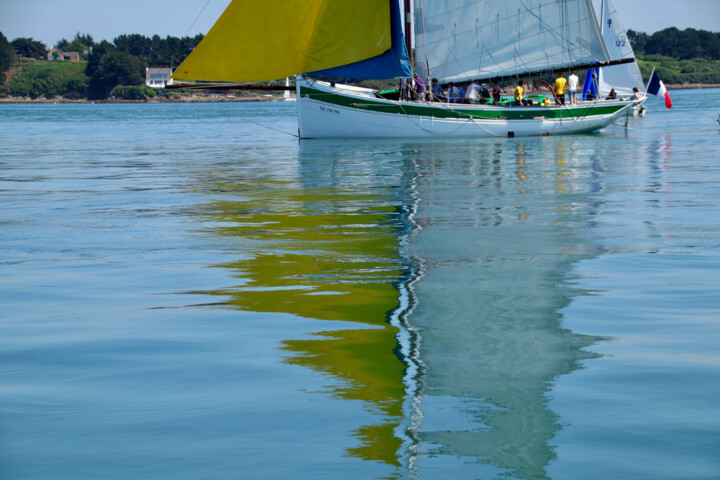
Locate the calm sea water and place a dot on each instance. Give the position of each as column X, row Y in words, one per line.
column 188, row 292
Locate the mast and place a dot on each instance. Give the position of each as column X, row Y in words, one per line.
column 602, row 35
column 408, row 33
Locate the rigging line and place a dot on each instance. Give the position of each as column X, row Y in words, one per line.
column 468, row 119
column 276, row 129
column 196, row 18
column 419, row 125
column 474, row 122
column 553, row 31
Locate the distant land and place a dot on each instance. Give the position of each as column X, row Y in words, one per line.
column 115, row 71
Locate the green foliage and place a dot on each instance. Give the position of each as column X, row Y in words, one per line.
column 63, row 45
column 80, row 43
column 7, row 55
column 49, row 79
column 115, row 68
column 158, row 52
column 84, row 39
column 638, row 40
column 134, row 44
column 94, row 58
column 108, row 66
column 133, row 92
column 29, row 48
column 682, row 45
column 674, row 71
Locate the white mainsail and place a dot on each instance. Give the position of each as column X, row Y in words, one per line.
column 620, row 77
column 460, row 40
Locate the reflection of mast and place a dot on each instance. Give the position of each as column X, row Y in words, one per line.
column 409, row 338
column 497, row 249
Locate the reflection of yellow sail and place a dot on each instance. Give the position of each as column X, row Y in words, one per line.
column 365, row 360
column 246, row 44
column 327, row 256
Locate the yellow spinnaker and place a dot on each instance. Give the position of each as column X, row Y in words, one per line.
column 264, row 40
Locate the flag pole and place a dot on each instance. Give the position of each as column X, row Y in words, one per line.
column 648, row 82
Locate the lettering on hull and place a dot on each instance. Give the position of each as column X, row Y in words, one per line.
column 329, row 110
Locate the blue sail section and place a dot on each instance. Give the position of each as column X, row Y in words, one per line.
column 391, row 64
column 590, row 85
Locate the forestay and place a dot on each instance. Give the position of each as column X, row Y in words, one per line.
column 460, row 40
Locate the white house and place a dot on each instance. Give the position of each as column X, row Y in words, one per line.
column 158, row 77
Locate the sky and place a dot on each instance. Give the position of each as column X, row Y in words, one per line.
column 49, row 20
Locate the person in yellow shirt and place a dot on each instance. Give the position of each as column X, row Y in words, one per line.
column 519, row 90
column 560, row 89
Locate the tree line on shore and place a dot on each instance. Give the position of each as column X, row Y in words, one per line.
column 685, row 56
column 685, row 44
column 104, row 65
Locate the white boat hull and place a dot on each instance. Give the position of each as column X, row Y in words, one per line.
column 326, row 111
column 639, row 109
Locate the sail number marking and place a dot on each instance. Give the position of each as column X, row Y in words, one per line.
column 329, row 110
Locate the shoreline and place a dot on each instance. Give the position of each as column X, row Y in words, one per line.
column 691, row 86
column 195, row 98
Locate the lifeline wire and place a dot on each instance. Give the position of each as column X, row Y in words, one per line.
column 196, row 18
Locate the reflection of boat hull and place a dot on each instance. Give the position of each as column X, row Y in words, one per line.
column 326, row 111
column 639, row 109
column 287, row 96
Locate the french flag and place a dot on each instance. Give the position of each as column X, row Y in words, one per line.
column 657, row 87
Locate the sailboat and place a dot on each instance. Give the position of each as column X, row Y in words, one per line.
column 623, row 78
column 455, row 40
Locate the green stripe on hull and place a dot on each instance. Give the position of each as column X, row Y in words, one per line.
column 455, row 112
